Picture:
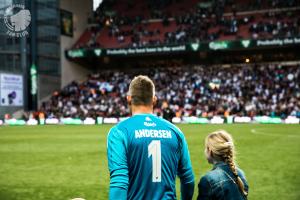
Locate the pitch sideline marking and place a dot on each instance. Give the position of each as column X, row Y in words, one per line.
column 272, row 134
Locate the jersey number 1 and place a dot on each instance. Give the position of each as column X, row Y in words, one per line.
column 154, row 150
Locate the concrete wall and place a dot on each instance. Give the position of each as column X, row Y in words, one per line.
column 50, row 84
column 81, row 10
column 69, row 71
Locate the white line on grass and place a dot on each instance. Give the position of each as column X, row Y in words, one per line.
column 272, row 134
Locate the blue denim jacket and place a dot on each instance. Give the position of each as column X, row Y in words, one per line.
column 219, row 184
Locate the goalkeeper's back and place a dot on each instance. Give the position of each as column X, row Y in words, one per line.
column 145, row 153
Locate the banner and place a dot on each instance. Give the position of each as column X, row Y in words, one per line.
column 217, row 120
column 110, row 120
column 242, row 120
column 195, row 120
column 189, row 47
column 52, row 121
column 292, row 120
column 71, row 121
column 146, row 50
column 267, row 120
column 32, row 122
column 11, row 90
column 183, row 120
column 89, row 121
column 14, row 122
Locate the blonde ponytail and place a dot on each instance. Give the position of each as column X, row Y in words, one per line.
column 220, row 143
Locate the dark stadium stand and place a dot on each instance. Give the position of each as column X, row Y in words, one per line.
column 138, row 24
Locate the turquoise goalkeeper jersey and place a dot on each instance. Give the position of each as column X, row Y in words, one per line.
column 145, row 153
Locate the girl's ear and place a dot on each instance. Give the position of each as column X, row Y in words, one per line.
column 209, row 152
column 209, row 155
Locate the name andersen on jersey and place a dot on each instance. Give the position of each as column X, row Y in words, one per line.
column 152, row 133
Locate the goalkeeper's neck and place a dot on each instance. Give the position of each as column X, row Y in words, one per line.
column 141, row 109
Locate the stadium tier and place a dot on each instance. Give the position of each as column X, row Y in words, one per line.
column 260, row 90
column 137, row 24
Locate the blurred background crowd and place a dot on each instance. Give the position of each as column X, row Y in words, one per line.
column 271, row 90
column 150, row 23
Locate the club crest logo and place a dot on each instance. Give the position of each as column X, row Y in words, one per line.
column 17, row 19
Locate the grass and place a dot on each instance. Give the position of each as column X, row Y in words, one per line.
column 64, row 162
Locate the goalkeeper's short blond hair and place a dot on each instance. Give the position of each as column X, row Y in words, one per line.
column 141, row 90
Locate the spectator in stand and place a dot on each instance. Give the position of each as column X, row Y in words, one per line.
column 167, row 112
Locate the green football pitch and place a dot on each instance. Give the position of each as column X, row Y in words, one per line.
column 64, row 162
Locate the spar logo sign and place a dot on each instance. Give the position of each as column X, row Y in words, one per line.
column 17, row 19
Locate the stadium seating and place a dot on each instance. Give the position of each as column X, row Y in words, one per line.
column 170, row 22
column 245, row 91
column 204, row 91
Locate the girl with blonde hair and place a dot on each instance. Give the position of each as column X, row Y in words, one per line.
column 225, row 181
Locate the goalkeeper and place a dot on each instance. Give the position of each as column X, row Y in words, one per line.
column 145, row 152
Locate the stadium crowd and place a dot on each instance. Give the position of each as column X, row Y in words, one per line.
column 201, row 22
column 202, row 91
column 159, row 9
